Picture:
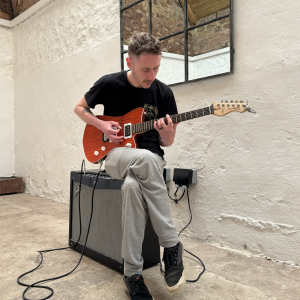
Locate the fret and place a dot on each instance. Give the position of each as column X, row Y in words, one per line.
column 149, row 125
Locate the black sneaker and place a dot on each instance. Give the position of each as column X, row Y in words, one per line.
column 137, row 288
column 174, row 271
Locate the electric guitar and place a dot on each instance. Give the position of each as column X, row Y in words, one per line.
column 96, row 145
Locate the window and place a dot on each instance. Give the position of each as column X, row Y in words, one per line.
column 196, row 36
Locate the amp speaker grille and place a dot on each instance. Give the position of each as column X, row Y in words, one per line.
column 105, row 237
column 107, row 210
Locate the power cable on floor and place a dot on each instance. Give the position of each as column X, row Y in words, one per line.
column 176, row 200
column 35, row 284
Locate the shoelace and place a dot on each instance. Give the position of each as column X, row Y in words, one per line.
column 170, row 258
column 137, row 286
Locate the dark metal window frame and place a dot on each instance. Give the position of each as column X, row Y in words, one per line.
column 185, row 31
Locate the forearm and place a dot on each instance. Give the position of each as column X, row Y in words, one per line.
column 166, row 142
column 86, row 115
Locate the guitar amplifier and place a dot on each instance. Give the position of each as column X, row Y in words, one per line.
column 105, row 237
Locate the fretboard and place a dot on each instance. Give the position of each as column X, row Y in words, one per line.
column 148, row 125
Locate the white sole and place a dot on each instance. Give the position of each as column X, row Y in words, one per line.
column 179, row 286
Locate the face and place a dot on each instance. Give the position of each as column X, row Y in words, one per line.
column 143, row 69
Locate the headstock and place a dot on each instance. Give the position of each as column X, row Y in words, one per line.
column 223, row 108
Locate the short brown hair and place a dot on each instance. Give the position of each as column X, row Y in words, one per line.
column 143, row 42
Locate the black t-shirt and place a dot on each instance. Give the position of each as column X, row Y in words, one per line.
column 119, row 97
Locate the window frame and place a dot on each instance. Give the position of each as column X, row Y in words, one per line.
column 184, row 31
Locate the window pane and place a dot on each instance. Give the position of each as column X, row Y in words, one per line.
column 128, row 2
column 209, row 49
column 201, row 11
column 135, row 19
column 172, row 60
column 167, row 17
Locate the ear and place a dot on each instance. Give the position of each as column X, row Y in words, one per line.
column 129, row 62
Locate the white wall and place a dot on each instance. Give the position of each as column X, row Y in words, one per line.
column 247, row 194
column 59, row 53
column 6, row 104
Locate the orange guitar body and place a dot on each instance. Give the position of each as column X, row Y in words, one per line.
column 96, row 147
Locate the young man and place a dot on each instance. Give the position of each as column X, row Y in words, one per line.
column 144, row 191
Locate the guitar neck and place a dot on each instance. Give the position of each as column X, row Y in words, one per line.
column 149, row 125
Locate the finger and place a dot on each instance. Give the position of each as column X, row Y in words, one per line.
column 117, row 140
column 161, row 123
column 170, row 123
column 116, row 124
column 158, row 123
column 114, row 131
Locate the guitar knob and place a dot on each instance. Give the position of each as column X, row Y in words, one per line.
column 96, row 153
column 103, row 148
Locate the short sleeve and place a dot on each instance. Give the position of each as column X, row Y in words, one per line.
column 168, row 105
column 97, row 93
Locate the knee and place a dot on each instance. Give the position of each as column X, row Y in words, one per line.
column 146, row 159
column 130, row 184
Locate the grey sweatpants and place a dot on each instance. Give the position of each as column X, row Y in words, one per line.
column 143, row 192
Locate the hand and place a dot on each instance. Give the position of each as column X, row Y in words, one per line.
column 111, row 130
column 166, row 131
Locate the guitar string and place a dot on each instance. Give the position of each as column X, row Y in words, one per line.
column 148, row 125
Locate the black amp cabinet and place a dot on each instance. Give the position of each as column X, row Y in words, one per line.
column 105, row 236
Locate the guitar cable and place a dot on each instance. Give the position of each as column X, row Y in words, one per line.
column 176, row 200
column 35, row 284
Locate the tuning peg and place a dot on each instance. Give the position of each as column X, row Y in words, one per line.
column 226, row 101
column 233, row 105
column 241, row 101
column 251, row 110
column 222, row 101
column 237, row 101
column 218, row 104
column 231, row 101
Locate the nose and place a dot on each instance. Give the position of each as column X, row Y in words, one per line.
column 152, row 75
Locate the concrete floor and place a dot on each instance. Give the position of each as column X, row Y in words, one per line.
column 29, row 224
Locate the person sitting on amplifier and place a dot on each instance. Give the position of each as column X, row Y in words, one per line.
column 144, row 189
